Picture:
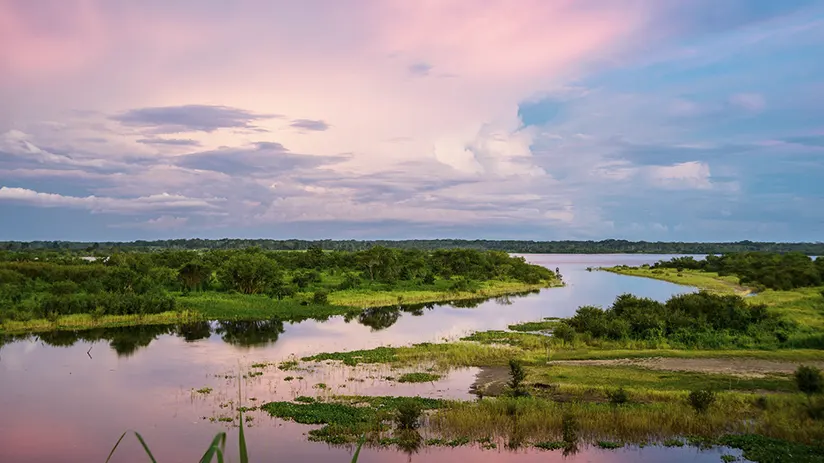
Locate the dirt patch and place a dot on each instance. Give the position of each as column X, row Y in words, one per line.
column 490, row 381
column 743, row 367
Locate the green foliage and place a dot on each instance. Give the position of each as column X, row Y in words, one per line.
column 694, row 320
column 35, row 284
column 767, row 450
column 351, row 417
column 517, row 375
column 408, row 415
column 758, row 269
column 809, row 380
column 618, row 396
column 248, row 273
column 418, row 377
column 701, row 400
column 608, row 445
column 569, row 428
column 352, row 358
column 194, row 275
column 320, row 297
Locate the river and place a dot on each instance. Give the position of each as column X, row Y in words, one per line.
column 67, row 397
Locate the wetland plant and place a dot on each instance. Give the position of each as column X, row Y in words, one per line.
column 701, row 400
column 408, row 416
column 517, row 375
column 809, row 380
column 618, row 396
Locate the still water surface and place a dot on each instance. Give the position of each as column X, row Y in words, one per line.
column 67, row 397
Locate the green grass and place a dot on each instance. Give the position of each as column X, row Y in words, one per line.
column 349, row 417
column 588, row 353
column 708, row 281
column 418, row 377
column 631, row 378
column 541, row 421
column 543, row 325
column 365, row 298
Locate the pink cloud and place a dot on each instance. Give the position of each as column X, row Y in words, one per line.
column 493, row 38
column 60, row 36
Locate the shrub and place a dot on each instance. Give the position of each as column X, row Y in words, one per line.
column 320, row 297
column 350, row 281
column 516, row 378
column 569, row 428
column 429, row 279
column 564, row 332
column 408, row 415
column 618, row 396
column 809, row 380
column 701, row 400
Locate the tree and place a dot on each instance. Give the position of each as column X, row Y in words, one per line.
column 193, row 275
column 249, row 273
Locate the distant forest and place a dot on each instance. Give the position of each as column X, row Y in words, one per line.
column 517, row 246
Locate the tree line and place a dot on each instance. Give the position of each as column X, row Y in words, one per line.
column 697, row 320
column 758, row 270
column 517, row 246
column 43, row 284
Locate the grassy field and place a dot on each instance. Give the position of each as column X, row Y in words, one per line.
column 199, row 306
column 702, row 280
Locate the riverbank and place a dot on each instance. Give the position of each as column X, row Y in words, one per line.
column 203, row 306
column 804, row 306
column 707, row 281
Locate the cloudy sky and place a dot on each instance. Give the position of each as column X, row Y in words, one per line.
column 525, row 119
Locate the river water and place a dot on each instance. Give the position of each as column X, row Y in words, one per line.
column 67, row 397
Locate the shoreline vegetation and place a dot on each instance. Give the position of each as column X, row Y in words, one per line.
column 46, row 291
column 610, row 246
column 745, row 371
column 216, row 306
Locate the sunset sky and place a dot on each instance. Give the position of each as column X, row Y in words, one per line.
column 662, row 120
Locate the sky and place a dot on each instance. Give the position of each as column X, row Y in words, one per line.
column 670, row 120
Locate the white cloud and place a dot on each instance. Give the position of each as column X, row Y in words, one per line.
column 691, row 174
column 163, row 201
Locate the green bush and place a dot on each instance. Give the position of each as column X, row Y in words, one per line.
column 809, row 380
column 321, row 297
column 408, row 416
column 618, row 396
column 701, row 400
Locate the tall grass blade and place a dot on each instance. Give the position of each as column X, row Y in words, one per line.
column 357, row 450
column 218, row 443
column 244, row 456
column 145, row 447
column 139, row 438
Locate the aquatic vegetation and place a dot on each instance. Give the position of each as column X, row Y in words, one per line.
column 546, row 324
column 418, row 377
column 408, row 415
column 204, row 390
column 347, row 418
column 609, row 445
column 288, row 365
